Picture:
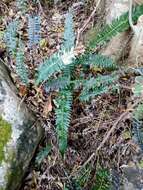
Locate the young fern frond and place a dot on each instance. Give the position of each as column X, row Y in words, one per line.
column 97, row 86
column 60, row 60
column 118, row 25
column 97, row 60
column 10, row 36
column 21, row 69
column 34, row 30
column 63, row 116
column 69, row 36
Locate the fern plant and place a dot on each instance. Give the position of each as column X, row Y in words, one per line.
column 59, row 70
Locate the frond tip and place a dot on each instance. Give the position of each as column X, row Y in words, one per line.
column 69, row 36
column 63, row 116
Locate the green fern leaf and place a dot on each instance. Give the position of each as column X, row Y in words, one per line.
column 119, row 25
column 63, row 116
column 21, row 69
column 69, row 36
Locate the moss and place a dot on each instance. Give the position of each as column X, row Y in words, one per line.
column 5, row 135
column 141, row 164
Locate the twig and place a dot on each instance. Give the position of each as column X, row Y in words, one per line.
column 80, row 31
column 122, row 116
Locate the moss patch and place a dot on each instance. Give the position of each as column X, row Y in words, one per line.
column 5, row 134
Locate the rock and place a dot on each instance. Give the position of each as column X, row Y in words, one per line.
column 114, row 9
column 136, row 52
column 132, row 177
column 20, row 134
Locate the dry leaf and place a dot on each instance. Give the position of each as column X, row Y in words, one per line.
column 23, row 90
column 48, row 107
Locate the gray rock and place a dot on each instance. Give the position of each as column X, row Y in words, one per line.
column 20, row 134
column 133, row 178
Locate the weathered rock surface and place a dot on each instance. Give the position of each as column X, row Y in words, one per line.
column 133, row 176
column 20, row 134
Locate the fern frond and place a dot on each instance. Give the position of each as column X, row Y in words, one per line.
column 118, row 25
column 97, row 86
column 97, row 60
column 69, row 36
column 62, row 59
column 57, row 84
column 34, row 30
column 10, row 36
column 21, row 69
column 63, row 116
